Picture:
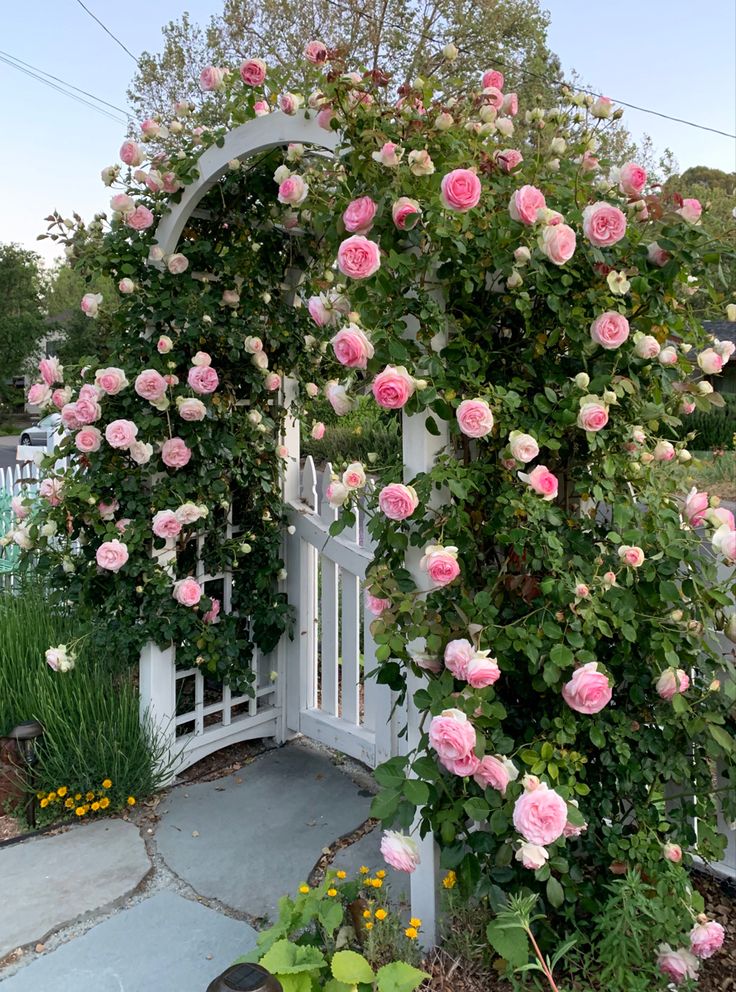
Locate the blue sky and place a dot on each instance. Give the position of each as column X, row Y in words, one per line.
column 669, row 55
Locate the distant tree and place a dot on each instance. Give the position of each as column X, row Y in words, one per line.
column 78, row 336
column 21, row 312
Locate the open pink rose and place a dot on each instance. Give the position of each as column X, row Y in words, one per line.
column 397, row 501
column 51, row 490
column 316, row 52
column 69, row 416
column 558, row 242
column 603, row 225
column 706, row 939
column 131, row 154
column 352, row 347
column 592, row 416
column 166, row 524
column 458, row 655
column 188, row 592
column 139, row 219
column 405, row 213
column 121, row 433
column 191, row 409
column 525, row 203
column 631, row 555
column 540, row 815
column 358, row 257
column 460, row 190
column 532, row 856
column 293, row 190
column 656, row 255
column 440, row 564
column 51, row 370
column 474, row 418
column 211, row 78
column 588, row 691
column 151, row 385
column 523, row 447
column 87, row 409
column 671, row 682
column 677, row 965
column 710, row 361
column 464, row 767
column 338, row 398
column 112, row 555
column 720, row 515
column 88, row 439
column 203, row 379
column 376, row 605
column 214, row 611
column 494, row 773
column 632, row 179
column 358, row 215
column 175, row 453
column 393, row 387
column 318, row 431
column 690, row 210
column 508, row 158
column 400, row 851
column 110, row 380
column 452, row 735
column 610, row 329
column 542, row 481
column 253, row 72
column 492, row 78
column 39, row 394
column 482, row 671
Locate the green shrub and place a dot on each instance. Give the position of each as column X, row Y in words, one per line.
column 365, row 435
column 714, row 429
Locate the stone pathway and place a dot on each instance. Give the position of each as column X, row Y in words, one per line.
column 118, row 909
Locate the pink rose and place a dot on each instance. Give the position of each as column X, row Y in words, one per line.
column 458, row 655
column 582, row 591
column 61, row 396
column 202, row 358
column 460, row 190
column 359, row 214
column 632, row 179
column 191, row 409
column 358, row 257
column 211, row 79
column 690, row 210
column 19, row 509
column 508, row 158
column 214, row 611
column 464, row 767
column 510, row 105
column 525, row 203
column 338, row 398
column 668, row 356
column 88, row 439
column 126, row 286
column 405, row 213
column 646, row 346
column 492, row 78
column 69, row 417
column 397, row 501
column 253, row 72
column 112, row 555
column 131, row 154
column 150, row 385
column 532, row 856
column 540, row 815
column 494, row 773
column 610, row 329
column 603, row 225
column 524, row 448
column 51, row 371
column 376, row 605
column 592, row 416
column 51, row 490
column 272, row 382
column 474, row 418
column 710, row 361
column 493, row 97
column 177, row 263
column 107, row 510
column 187, row 591
column 39, row 394
column 110, row 380
column 352, row 347
column 482, row 671
column 389, row 155
column 318, row 431
column 452, row 735
column 203, row 379
column 632, row 555
column 656, row 255
column 400, row 851
column 706, row 939
column 289, row 103
column 557, row 242
column 542, row 481
column 393, row 387
column 166, row 524
column 664, row 451
column 316, row 52
column 325, row 118
column 139, row 219
column 440, row 564
column 293, row 190
column 677, row 965
column 175, row 453
column 87, row 410
column 121, row 433
column 671, row 682
column 588, row 691
column 319, row 313
column 672, row 852
column 723, row 516
column 90, row 303
column 261, row 108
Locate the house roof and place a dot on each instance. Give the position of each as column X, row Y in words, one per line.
column 724, row 330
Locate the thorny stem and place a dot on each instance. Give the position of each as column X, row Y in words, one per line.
column 542, row 962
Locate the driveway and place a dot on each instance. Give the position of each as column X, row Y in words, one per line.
column 8, row 444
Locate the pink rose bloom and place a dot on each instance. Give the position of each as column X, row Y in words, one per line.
column 464, row 767
column 319, row 313
column 588, row 691
column 325, row 117
column 261, row 108
column 687, row 407
column 632, row 179
column 493, row 97
column 38, row 394
column 540, row 815
column 492, row 78
column 126, row 286
column 121, row 433
column 493, row 772
column 677, row 965
column 352, row 347
column 690, row 210
column 460, row 190
column 112, row 555
column 393, row 387
column 253, row 72
column 664, row 451
column 288, row 103
column 90, row 303
column 710, row 361
column 358, row 257
column 668, row 356
column 376, row 605
column 405, row 213
column 440, row 564
column 458, row 655
column 293, row 190
column 19, row 509
column 175, row 453
column 474, row 418
column 524, row 447
column 723, row 517
column 272, row 381
column 359, row 214
column 87, row 410
column 510, row 105
column 139, row 219
column 706, row 939
column 646, row 346
column 177, row 263
column 316, row 52
column 582, row 591
column 211, row 79
column 110, row 380
column 632, row 555
column 610, row 329
column 338, row 398
column 151, row 385
column 318, row 431
column 203, row 379
column 51, row 371
column 557, row 242
column 671, row 682
column 214, row 611
column 525, row 203
column 508, row 158
column 191, row 409
column 107, row 510
column 389, row 155
column 672, row 852
column 589, row 162
column 542, row 481
column 592, row 416
column 603, row 225
column 452, row 735
column 51, row 490
column 656, row 255
column 187, row 591
column 61, row 396
column 131, row 154
column 397, row 501
column 88, row 439
column 69, row 417
column 166, row 524
column 532, row 856
column 400, row 851
column 482, row 671
column 122, row 525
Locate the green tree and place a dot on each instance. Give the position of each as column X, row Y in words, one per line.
column 21, row 312
column 78, row 336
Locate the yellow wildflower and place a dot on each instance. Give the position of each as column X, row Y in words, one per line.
column 331, row 892
column 69, row 802
column 44, row 803
column 364, row 870
column 80, row 810
column 95, row 807
column 89, row 797
column 411, row 933
column 381, row 914
column 342, row 874
column 78, row 796
column 369, row 926
column 61, row 791
column 381, row 874
column 131, row 800
column 52, row 797
column 415, row 922
column 368, row 882
column 40, row 795
column 304, row 889
column 104, row 803
column 449, row 880
column 376, row 883
column 106, row 783
column 367, row 914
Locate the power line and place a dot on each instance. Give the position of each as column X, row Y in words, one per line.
column 108, row 31
column 72, row 96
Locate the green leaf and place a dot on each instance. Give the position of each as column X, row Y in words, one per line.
column 334, row 986
column 330, row 915
column 555, row 892
column 385, row 804
column 679, row 705
column 399, row 977
column 597, row 737
column 720, row 736
column 510, row 943
column 351, row 967
column 285, row 958
column 561, row 655
column 476, row 809
column 416, row 792
column 296, row 983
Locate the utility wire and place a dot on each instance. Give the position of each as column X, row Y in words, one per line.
column 72, row 96
column 108, row 31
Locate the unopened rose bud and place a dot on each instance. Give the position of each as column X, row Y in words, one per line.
column 420, row 384
column 730, row 628
column 676, row 616
column 354, row 317
column 731, row 312
column 522, row 255
column 234, row 164
column 514, row 280
column 582, row 380
column 714, row 686
column 609, row 396
column 684, row 456
column 704, row 388
column 245, row 548
column 450, row 52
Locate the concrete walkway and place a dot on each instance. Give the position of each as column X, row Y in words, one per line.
column 121, row 908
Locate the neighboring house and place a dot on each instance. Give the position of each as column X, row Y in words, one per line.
column 724, row 330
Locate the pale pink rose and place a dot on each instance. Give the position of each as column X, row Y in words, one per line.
column 540, row 815
column 88, row 439
column 166, row 524
column 542, row 481
column 687, row 407
column 464, row 767
column 140, row 219
column 405, row 213
column 592, row 416
column 671, row 682
column 508, row 158
column 253, row 345
column 492, row 78
column 510, row 105
column 187, row 592
column 397, row 501
column 316, row 52
column 376, row 605
column 121, row 433
column 710, row 361
column 588, row 691
column 338, row 398
column 325, row 118
column 358, row 257
column 390, row 155
column 523, row 447
column 668, row 356
column 293, row 190
column 108, row 509
column 482, row 671
column 87, row 410
column 493, row 97
column 399, row 851
column 214, row 611
column 458, row 655
column 352, row 347
column 706, row 939
column 191, row 409
column 69, row 417
column 150, row 385
column 609, row 579
column 420, row 163
column 51, row 490
column 525, row 203
column 90, row 303
column 393, row 387
column 582, row 591
column 177, row 263
column 690, row 210
column 175, row 453
column 672, row 852
column 39, row 394
column 494, row 772
column 122, row 525
column 632, row 555
column 202, row 358
column 602, row 108
column 112, row 555
column 610, row 329
column 460, row 190
column 646, row 346
column 589, row 162
column 126, row 286
column 110, row 380
column 664, row 451
column 261, row 108
column 632, row 179
column 318, row 431
column 720, row 516
column 603, row 225
column 60, row 397
column 51, row 370
column 656, row 255
column 272, row 382
column 253, row 72
column 18, row 508
column 452, row 735
column 154, row 181
column 359, row 214
column 557, row 242
column 440, row 564
column 319, row 313
column 171, row 183
column 474, row 418
column 211, row 79
column 677, row 965
column 289, row 103
column 131, row 154
column 532, row 856
column 203, row 379
column 150, row 128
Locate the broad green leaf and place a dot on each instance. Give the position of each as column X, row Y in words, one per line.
column 351, row 967
column 510, row 943
column 399, row 977
column 555, row 892
column 416, row 792
column 721, row 736
column 330, row 915
column 285, row 958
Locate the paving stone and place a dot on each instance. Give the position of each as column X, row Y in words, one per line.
column 248, row 839
column 50, row 881
column 367, row 851
column 164, row 944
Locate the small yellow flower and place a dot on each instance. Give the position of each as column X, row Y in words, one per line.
column 95, row 807
column 89, row 797
column 331, row 892
column 368, row 882
column 107, row 784
column 381, row 874
column 69, row 802
column 304, row 889
column 104, row 803
column 131, row 800
column 415, row 922
column 78, row 796
column 44, row 803
column 369, row 926
column 80, row 810
column 40, row 795
column 411, row 933
column 381, row 914
column 376, row 883
column 52, row 797
column 61, row 791
column 449, row 880
column 364, row 870
column 342, row 874
column 367, row 914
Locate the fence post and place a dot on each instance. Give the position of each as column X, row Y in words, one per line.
column 157, row 684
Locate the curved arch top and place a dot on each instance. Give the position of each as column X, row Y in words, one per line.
column 258, row 135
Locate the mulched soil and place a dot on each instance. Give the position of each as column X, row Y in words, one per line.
column 9, row 828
